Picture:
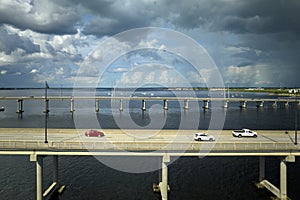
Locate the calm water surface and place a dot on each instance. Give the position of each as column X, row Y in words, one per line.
column 189, row 178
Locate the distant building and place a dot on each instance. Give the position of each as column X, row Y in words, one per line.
column 259, row 88
column 291, row 91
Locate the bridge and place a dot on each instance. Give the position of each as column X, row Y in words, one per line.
column 260, row 103
column 141, row 143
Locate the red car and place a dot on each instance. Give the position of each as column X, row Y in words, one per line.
column 94, row 133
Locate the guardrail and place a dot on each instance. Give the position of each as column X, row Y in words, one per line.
column 158, row 98
column 150, row 146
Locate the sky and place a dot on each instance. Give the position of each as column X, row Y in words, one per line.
column 253, row 43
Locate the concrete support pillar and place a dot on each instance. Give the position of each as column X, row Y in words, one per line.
column 225, row 104
column 163, row 185
column 286, row 104
column 262, row 165
column 97, row 105
column 39, row 178
column 121, row 105
column 283, row 181
column 72, row 105
column 280, row 193
column 243, row 104
column 55, row 169
column 205, row 104
column 143, row 105
column 260, row 104
column 186, row 104
column 54, row 184
column 20, row 106
column 165, row 104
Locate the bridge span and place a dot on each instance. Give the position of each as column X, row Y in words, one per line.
column 206, row 102
column 140, row 143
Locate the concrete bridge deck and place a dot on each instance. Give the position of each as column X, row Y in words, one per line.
column 145, row 140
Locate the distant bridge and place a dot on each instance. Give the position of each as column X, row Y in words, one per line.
column 285, row 102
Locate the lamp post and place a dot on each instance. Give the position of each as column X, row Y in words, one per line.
column 296, row 117
column 46, row 111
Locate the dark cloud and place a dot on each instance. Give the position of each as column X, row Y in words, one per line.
column 39, row 16
column 250, row 54
column 111, row 17
column 255, row 16
column 101, row 27
column 12, row 42
column 116, row 18
column 245, row 64
column 267, row 31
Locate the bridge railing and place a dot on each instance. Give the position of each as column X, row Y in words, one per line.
column 150, row 146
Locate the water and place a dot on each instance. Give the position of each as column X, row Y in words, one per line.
column 189, row 178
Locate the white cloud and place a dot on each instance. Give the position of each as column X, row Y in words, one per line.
column 120, row 69
column 152, row 74
column 33, row 71
column 3, row 72
column 60, row 71
column 249, row 76
column 5, row 59
column 153, row 43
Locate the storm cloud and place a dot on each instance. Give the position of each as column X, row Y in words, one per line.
column 261, row 36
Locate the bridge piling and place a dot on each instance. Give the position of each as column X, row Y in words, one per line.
column 121, row 105
column 72, row 105
column 143, row 105
column 39, row 175
column 165, row 104
column 280, row 193
column 163, row 185
column 262, row 164
column 55, row 169
column 97, row 105
column 243, row 104
column 39, row 179
column 283, row 182
column 20, row 107
column 186, row 104
column 225, row 104
column 205, row 104
column 286, row 104
column 259, row 104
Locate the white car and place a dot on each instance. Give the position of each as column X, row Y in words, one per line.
column 203, row 137
column 244, row 133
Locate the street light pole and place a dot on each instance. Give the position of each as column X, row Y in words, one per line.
column 46, row 111
column 296, row 118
